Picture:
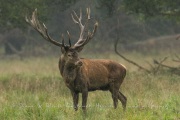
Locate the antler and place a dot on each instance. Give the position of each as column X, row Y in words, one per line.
column 78, row 20
column 42, row 29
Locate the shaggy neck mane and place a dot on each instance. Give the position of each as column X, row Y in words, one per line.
column 68, row 70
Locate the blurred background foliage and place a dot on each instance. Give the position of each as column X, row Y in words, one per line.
column 140, row 25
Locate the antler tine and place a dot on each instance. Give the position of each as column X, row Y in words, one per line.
column 90, row 35
column 82, row 41
column 88, row 13
column 34, row 18
column 41, row 28
column 31, row 21
column 80, row 15
column 74, row 19
column 94, row 30
column 88, row 18
column 69, row 38
column 78, row 19
column 62, row 39
column 45, row 28
column 36, row 24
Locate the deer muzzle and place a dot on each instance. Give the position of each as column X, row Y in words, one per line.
column 79, row 63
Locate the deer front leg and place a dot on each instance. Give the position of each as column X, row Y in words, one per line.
column 84, row 99
column 75, row 100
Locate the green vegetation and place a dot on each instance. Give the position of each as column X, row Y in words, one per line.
column 153, row 8
column 115, row 17
column 33, row 89
column 12, row 13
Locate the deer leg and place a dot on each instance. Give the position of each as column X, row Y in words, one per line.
column 75, row 100
column 84, row 99
column 123, row 100
column 114, row 93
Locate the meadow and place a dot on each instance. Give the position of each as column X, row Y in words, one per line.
column 32, row 89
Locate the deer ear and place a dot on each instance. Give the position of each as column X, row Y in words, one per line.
column 79, row 49
column 63, row 50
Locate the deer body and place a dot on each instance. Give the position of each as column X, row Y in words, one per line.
column 82, row 75
column 93, row 74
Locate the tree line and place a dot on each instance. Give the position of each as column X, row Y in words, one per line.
column 138, row 20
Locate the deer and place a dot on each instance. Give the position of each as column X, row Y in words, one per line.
column 83, row 75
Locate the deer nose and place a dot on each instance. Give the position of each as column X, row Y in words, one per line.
column 79, row 63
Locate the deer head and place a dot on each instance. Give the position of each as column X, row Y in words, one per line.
column 69, row 52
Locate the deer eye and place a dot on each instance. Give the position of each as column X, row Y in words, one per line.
column 69, row 55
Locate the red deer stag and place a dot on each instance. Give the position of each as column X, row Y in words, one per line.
column 82, row 75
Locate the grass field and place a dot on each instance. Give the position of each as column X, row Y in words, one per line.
column 33, row 89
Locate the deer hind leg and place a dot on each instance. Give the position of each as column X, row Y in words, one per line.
column 123, row 100
column 114, row 91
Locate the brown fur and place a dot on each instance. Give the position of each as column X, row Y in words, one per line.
column 93, row 75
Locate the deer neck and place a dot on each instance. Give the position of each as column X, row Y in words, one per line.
column 68, row 70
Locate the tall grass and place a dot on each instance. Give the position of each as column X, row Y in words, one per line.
column 33, row 89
